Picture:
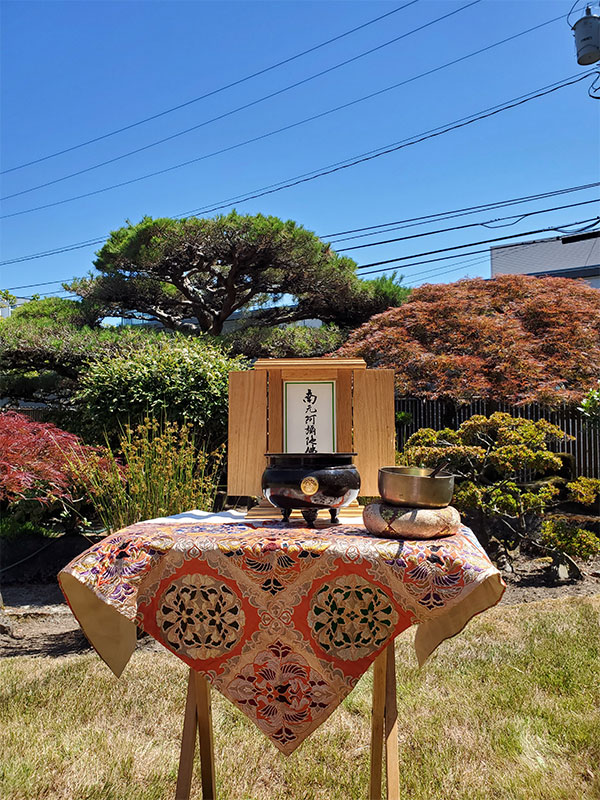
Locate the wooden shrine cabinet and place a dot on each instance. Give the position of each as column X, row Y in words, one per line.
column 364, row 416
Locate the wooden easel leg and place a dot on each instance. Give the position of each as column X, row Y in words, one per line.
column 391, row 728
column 198, row 716
column 205, row 735
column 384, row 727
column 377, row 725
column 188, row 744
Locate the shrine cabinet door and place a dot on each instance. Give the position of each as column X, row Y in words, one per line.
column 247, row 442
column 374, row 425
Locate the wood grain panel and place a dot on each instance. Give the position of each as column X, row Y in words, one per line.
column 374, row 433
column 316, row 374
column 343, row 411
column 247, row 432
column 275, row 411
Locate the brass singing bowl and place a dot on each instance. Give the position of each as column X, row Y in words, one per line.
column 411, row 486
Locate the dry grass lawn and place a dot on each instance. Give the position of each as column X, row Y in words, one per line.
column 509, row 710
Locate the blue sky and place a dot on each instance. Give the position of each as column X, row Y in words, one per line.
column 72, row 71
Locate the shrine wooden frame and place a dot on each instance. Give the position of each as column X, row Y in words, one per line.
column 364, row 417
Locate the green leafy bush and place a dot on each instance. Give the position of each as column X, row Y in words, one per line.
column 159, row 470
column 590, row 406
column 585, row 491
column 288, row 342
column 560, row 534
column 174, row 377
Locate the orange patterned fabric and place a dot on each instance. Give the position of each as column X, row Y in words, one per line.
column 282, row 620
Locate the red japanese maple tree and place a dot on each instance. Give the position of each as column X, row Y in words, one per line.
column 515, row 338
column 35, row 460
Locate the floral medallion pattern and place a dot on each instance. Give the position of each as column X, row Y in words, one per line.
column 351, row 618
column 282, row 692
column 282, row 620
column 200, row 617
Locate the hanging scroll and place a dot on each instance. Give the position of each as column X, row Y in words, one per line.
column 309, row 417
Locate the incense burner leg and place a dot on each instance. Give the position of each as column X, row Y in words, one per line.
column 310, row 515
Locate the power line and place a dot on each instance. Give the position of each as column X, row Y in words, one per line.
column 295, row 124
column 241, row 108
column 435, row 274
column 472, row 244
column 57, row 251
column 213, row 92
column 468, row 261
column 440, row 130
column 426, row 261
column 460, row 212
column 463, row 227
column 413, row 220
column 378, row 152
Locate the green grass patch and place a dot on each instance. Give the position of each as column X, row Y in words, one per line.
column 508, row 709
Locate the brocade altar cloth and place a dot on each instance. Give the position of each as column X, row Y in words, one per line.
column 283, row 621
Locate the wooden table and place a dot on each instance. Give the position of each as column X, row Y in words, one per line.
column 384, row 733
column 140, row 577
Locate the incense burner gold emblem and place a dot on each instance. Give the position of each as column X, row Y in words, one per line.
column 309, row 486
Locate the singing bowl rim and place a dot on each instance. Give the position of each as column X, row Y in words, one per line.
column 412, row 487
column 417, row 472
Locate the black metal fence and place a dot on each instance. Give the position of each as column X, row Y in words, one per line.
column 437, row 414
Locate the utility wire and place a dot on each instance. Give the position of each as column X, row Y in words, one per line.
column 294, row 124
column 377, row 153
column 249, row 105
column 426, row 261
column 428, row 218
column 595, row 220
column 213, row 92
column 443, row 215
column 461, row 123
column 434, row 274
column 463, row 227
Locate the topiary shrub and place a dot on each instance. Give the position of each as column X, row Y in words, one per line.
column 585, row 491
column 288, row 342
column 488, row 456
column 169, row 377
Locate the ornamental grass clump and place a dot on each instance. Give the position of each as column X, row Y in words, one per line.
column 158, row 470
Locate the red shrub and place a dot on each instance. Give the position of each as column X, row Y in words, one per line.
column 34, row 460
column 515, row 338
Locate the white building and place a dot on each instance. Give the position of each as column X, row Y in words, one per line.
column 6, row 311
column 572, row 256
